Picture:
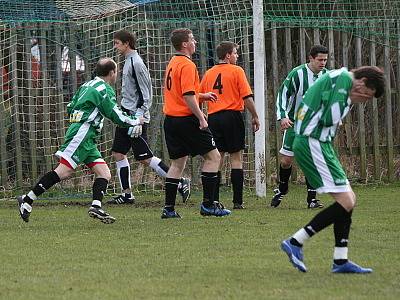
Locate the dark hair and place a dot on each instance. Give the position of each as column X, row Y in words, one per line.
column 316, row 49
column 225, row 48
column 375, row 78
column 178, row 36
column 105, row 66
column 126, row 37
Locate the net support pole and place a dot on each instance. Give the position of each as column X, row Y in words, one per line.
column 259, row 96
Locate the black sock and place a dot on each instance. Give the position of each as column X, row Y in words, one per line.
column 311, row 192
column 163, row 166
column 99, row 188
column 324, row 218
column 124, row 176
column 284, row 175
column 46, row 182
column 341, row 229
column 171, row 187
column 237, row 179
column 209, row 182
column 217, row 185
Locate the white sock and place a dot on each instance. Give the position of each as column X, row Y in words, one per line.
column 32, row 195
column 340, row 253
column 122, row 164
column 301, row 236
column 154, row 165
column 96, row 203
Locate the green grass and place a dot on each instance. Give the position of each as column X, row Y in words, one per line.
column 63, row 254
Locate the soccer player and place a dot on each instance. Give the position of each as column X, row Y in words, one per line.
column 288, row 100
column 324, row 105
column 186, row 129
column 136, row 100
column 225, row 118
column 93, row 101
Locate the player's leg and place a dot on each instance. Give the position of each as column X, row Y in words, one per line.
column 209, row 179
column 171, row 187
column 285, row 168
column 312, row 201
column 62, row 171
column 144, row 155
column 71, row 153
column 121, row 145
column 102, row 177
column 218, row 185
column 237, row 179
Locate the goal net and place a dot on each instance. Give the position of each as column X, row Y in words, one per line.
column 48, row 48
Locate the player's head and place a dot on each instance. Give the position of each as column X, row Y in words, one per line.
column 318, row 57
column 368, row 82
column 106, row 68
column 227, row 51
column 124, row 41
column 182, row 39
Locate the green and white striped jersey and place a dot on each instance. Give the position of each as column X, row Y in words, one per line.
column 93, row 101
column 324, row 105
column 293, row 89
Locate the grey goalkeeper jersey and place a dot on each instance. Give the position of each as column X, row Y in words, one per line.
column 293, row 89
column 136, row 93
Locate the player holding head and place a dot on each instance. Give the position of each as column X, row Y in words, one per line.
column 93, row 101
column 288, row 100
column 324, row 105
column 136, row 101
column 228, row 81
column 186, row 129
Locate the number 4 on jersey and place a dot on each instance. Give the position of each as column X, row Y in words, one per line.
column 218, row 84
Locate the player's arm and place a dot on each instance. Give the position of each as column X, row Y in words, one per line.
column 109, row 108
column 204, row 94
column 249, row 104
column 144, row 81
column 286, row 93
column 191, row 102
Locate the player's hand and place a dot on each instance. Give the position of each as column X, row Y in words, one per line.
column 255, row 123
column 203, row 124
column 210, row 96
column 137, row 121
column 135, row 131
column 286, row 123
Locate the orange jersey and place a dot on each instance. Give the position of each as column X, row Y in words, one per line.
column 181, row 78
column 230, row 84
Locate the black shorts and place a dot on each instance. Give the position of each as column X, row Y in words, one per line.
column 184, row 137
column 123, row 143
column 227, row 127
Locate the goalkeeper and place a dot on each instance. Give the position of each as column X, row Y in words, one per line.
column 136, row 100
column 93, row 101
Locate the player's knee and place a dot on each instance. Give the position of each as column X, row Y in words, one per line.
column 286, row 161
column 118, row 156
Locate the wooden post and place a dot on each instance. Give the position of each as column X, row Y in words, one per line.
column 46, row 100
column 361, row 121
column 31, row 93
column 388, row 98
column 59, row 89
column 316, row 36
column 3, row 132
column 275, row 87
column 347, row 121
column 331, row 46
column 16, row 103
column 375, row 119
column 303, row 53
